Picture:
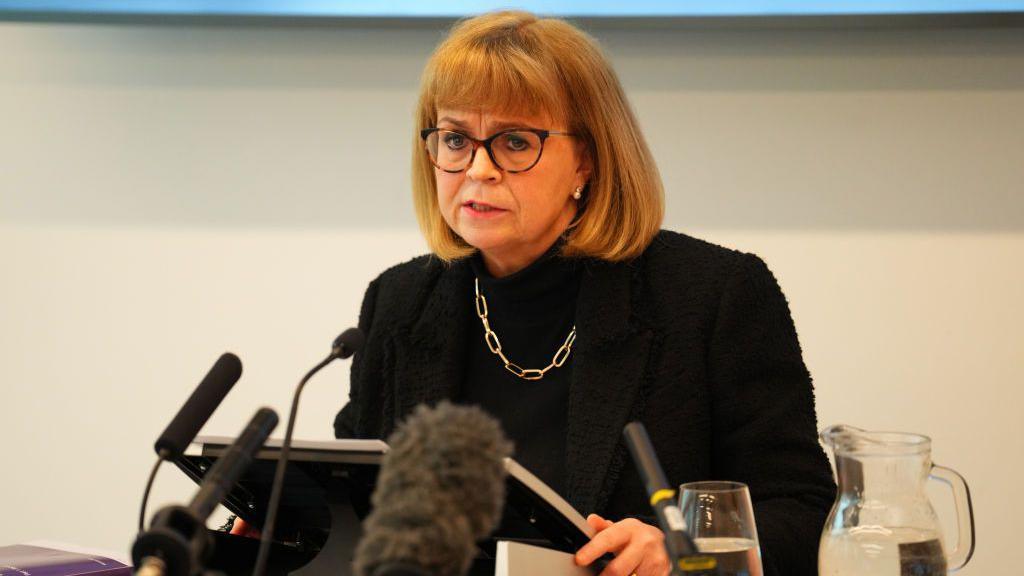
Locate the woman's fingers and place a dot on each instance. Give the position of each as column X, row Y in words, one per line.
column 598, row 523
column 240, row 527
column 654, row 565
column 612, row 539
column 243, row 528
column 625, row 563
column 638, row 547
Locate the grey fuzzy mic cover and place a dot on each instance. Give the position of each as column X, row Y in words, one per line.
column 441, row 488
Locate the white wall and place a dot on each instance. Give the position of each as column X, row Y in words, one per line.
column 168, row 193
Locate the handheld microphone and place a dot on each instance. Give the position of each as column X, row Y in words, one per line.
column 682, row 551
column 192, row 416
column 347, row 343
column 440, row 489
column 177, row 542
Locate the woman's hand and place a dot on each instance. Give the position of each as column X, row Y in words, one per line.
column 243, row 528
column 639, row 548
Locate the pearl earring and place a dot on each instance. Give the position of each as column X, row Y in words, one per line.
column 578, row 193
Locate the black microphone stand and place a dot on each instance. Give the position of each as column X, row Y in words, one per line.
column 200, row 405
column 345, row 345
column 177, row 542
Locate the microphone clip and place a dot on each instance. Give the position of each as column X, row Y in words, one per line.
column 176, row 544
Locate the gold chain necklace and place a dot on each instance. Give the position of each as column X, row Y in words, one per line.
column 495, row 345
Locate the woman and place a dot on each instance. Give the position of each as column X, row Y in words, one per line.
column 553, row 301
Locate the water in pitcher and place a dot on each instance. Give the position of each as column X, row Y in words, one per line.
column 882, row 522
column 735, row 556
column 881, row 551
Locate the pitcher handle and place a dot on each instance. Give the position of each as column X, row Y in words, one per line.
column 961, row 554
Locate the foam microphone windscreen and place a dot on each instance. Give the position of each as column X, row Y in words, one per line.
column 200, row 406
column 441, row 488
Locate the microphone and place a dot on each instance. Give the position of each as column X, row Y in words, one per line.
column 199, row 406
column 346, row 344
column 177, row 542
column 682, row 552
column 217, row 482
column 441, row 488
column 192, row 416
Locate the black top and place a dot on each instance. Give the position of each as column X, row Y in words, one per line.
column 692, row 339
column 532, row 313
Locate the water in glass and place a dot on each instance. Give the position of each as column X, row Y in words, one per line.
column 735, row 556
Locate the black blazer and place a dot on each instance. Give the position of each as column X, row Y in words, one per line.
column 694, row 340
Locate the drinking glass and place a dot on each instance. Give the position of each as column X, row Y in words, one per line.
column 720, row 519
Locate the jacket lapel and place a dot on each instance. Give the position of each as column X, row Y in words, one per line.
column 429, row 352
column 605, row 392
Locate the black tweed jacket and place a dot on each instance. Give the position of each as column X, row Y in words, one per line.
column 694, row 340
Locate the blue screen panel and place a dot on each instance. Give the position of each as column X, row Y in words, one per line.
column 457, row 8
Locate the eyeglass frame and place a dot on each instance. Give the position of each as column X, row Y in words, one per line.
column 486, row 143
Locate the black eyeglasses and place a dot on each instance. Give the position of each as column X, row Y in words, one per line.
column 515, row 150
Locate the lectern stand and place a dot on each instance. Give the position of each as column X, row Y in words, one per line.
column 327, row 494
column 319, row 522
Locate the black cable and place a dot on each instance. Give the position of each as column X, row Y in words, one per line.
column 282, row 463
column 149, row 484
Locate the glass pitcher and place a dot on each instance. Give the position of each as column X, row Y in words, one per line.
column 882, row 522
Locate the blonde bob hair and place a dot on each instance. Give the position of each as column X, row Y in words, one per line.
column 517, row 63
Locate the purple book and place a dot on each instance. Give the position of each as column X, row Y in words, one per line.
column 27, row 560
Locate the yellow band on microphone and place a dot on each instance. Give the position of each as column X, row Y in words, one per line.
column 661, row 495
